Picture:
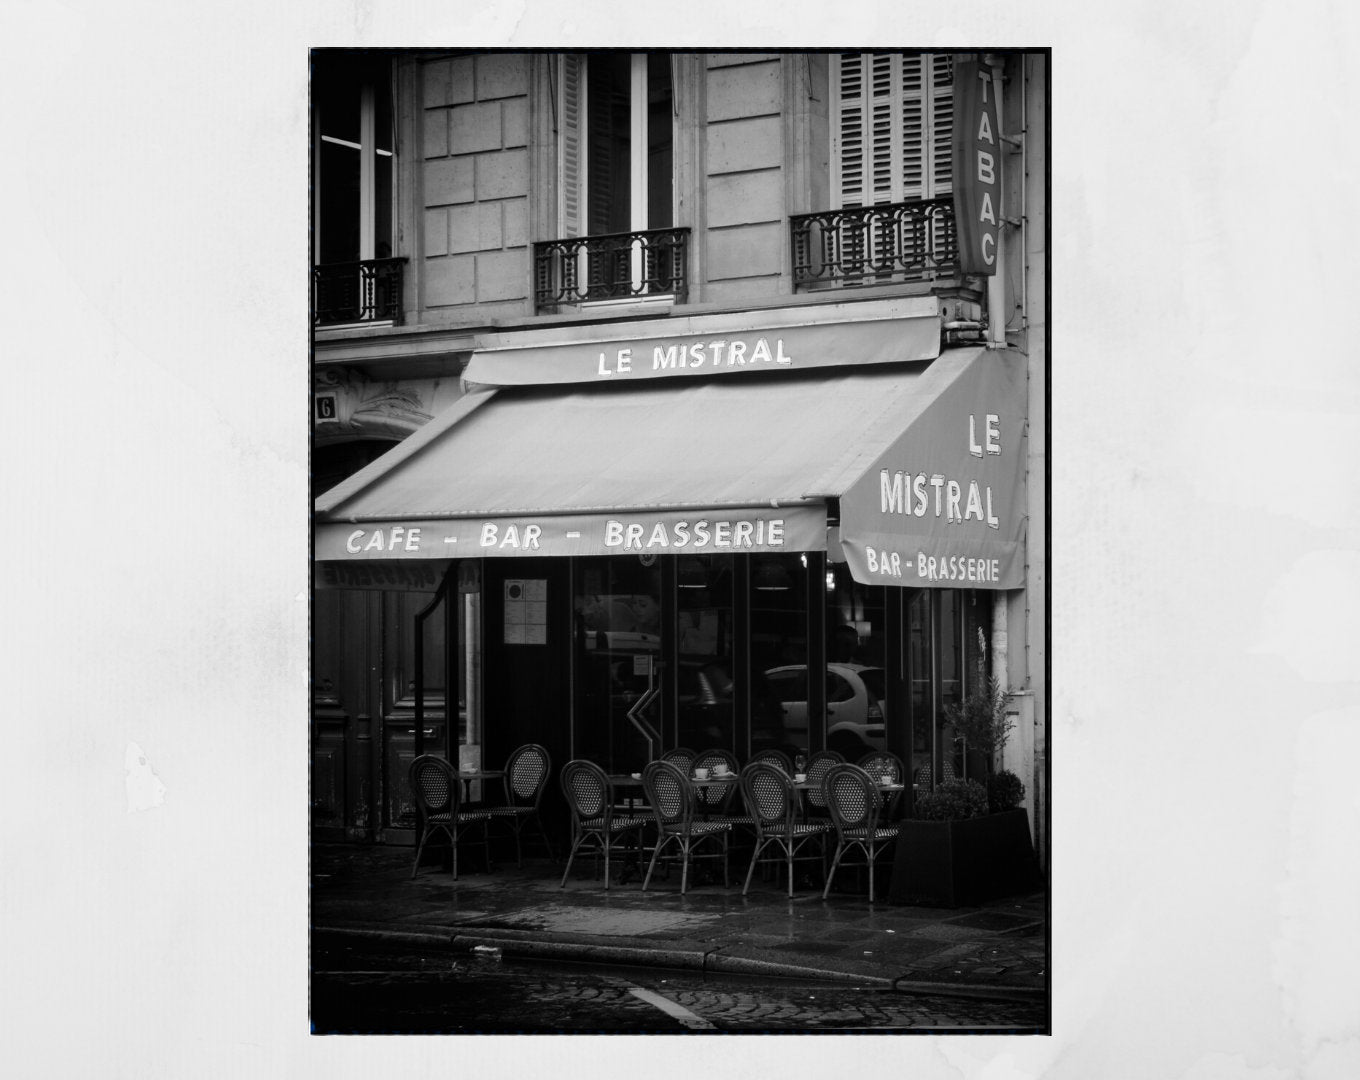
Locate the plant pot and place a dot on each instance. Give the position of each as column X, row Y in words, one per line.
column 948, row 863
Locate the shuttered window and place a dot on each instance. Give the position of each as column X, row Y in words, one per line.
column 615, row 142
column 892, row 127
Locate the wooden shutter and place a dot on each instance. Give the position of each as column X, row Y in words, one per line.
column 941, row 103
column 893, row 127
column 571, row 156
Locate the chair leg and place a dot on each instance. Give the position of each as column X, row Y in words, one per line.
column 607, row 846
column 684, row 867
column 575, row 844
column 656, row 851
column 755, row 856
column 832, row 872
column 419, row 848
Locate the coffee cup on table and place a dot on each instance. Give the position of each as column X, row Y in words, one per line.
column 701, row 774
column 799, row 777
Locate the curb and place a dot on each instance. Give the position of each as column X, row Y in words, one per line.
column 533, row 945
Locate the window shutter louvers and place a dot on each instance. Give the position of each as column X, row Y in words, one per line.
column 572, row 163
column 894, row 127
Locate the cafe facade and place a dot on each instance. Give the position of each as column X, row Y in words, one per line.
column 706, row 518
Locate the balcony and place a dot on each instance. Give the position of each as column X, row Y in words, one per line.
column 613, row 266
column 875, row 245
column 357, row 292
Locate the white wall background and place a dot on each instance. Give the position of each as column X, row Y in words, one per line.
column 1206, row 572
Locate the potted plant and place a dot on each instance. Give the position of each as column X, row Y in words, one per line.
column 968, row 841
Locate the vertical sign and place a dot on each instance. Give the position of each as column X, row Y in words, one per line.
column 977, row 167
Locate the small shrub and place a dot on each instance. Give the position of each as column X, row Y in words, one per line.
column 953, row 801
column 1005, row 791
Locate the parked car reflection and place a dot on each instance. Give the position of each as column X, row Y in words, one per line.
column 854, row 706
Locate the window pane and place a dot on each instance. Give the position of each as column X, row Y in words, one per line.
column 855, row 636
column 338, row 193
column 704, row 682
column 660, row 164
column 609, row 206
column 618, row 619
column 779, row 619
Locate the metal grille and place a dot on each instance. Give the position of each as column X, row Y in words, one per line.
column 914, row 240
column 613, row 266
column 357, row 292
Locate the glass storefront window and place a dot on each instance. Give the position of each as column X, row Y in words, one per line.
column 704, row 685
column 779, row 652
column 856, row 691
column 617, row 643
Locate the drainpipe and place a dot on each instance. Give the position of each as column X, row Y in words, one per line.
column 1000, row 643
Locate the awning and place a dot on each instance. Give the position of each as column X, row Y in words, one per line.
column 924, row 463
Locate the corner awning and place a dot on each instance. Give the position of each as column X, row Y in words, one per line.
column 923, row 462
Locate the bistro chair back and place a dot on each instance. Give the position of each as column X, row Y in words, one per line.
column 879, row 763
column 883, row 763
column 817, row 767
column 673, row 802
column 774, row 757
column 855, row 804
column 714, row 798
column 682, row 757
column 594, row 825
column 772, row 802
column 526, row 775
column 438, row 792
column 946, row 775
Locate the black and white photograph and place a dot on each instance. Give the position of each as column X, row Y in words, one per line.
column 539, row 536
column 679, row 630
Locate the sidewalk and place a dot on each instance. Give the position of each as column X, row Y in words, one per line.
column 996, row 949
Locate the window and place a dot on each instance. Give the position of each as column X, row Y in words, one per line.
column 616, row 130
column 892, row 126
column 353, row 157
column 352, row 98
column 615, row 114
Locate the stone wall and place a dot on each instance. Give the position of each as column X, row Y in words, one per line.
column 746, row 244
column 474, row 188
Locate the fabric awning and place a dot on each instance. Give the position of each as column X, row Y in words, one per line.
column 692, row 466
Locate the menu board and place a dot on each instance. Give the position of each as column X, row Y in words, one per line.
column 526, row 611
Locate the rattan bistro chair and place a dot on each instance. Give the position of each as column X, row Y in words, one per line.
column 885, row 763
column 714, row 800
column 774, row 757
column 682, row 757
column 438, row 790
column 817, row 767
column 526, row 775
column 772, row 802
column 855, row 804
column 672, row 798
column 592, row 814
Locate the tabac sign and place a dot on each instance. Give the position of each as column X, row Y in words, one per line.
column 977, row 167
column 943, row 506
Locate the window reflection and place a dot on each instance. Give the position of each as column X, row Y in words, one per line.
column 779, row 652
column 855, row 685
column 617, row 614
column 704, row 676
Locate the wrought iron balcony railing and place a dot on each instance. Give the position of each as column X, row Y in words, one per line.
column 613, row 266
column 875, row 245
column 356, row 292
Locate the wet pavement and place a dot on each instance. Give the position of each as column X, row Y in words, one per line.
column 997, row 949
